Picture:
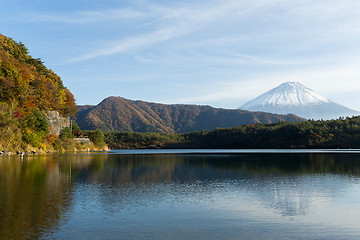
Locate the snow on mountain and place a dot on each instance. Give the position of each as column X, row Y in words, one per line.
column 289, row 93
column 293, row 97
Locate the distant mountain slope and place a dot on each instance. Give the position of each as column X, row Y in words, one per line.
column 120, row 114
column 293, row 97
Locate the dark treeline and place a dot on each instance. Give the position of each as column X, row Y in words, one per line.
column 133, row 140
column 340, row 133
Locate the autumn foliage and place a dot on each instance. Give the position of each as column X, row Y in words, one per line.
column 120, row 114
column 27, row 90
column 27, row 83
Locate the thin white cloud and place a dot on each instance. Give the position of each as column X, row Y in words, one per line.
column 269, row 22
column 175, row 59
column 327, row 81
column 172, row 15
column 131, row 43
column 183, row 23
column 254, row 45
column 85, row 17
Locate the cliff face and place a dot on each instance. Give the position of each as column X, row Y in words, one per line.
column 56, row 122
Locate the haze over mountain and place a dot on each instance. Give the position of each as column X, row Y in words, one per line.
column 120, row 114
column 295, row 98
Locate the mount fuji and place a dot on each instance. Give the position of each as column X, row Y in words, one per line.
column 293, row 97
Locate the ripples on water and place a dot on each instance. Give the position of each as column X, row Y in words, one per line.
column 181, row 196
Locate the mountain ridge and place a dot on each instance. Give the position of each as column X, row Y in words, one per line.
column 121, row 114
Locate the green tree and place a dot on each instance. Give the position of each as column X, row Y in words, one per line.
column 96, row 137
column 75, row 129
column 66, row 134
column 35, row 128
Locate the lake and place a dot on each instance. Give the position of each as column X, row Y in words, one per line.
column 182, row 194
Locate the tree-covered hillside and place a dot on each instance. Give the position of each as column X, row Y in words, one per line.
column 26, row 84
column 27, row 90
column 120, row 114
column 341, row 133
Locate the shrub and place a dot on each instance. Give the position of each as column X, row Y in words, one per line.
column 96, row 136
column 66, row 133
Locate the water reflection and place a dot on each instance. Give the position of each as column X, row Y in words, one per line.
column 287, row 183
column 34, row 195
column 150, row 168
column 61, row 196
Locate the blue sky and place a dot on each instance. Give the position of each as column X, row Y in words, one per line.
column 221, row 53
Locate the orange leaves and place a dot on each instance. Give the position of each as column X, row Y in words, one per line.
column 18, row 114
column 27, row 81
column 70, row 108
column 51, row 138
column 29, row 104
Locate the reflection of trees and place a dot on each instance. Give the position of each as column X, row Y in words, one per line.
column 122, row 169
column 34, row 195
column 284, row 164
column 287, row 183
column 290, row 184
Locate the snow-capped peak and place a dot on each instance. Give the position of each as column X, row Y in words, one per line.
column 287, row 94
column 293, row 97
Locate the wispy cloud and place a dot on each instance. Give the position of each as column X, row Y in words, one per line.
column 130, row 43
column 326, row 80
column 245, row 46
column 182, row 22
column 85, row 17
column 266, row 23
column 172, row 15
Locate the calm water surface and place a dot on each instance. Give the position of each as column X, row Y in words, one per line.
column 183, row 194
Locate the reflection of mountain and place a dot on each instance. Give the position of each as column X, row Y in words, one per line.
column 124, row 169
column 37, row 193
column 290, row 184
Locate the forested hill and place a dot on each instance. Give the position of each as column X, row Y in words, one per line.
column 26, row 84
column 27, row 90
column 343, row 133
column 120, row 114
